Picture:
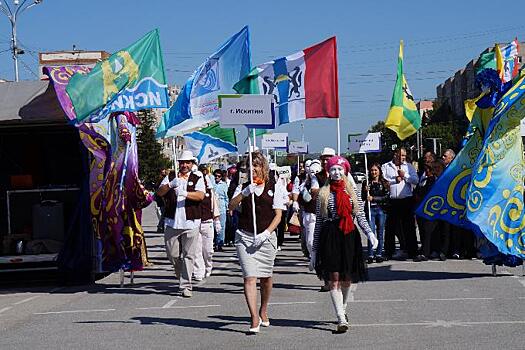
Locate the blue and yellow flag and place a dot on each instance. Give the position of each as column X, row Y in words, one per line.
column 495, row 201
column 447, row 199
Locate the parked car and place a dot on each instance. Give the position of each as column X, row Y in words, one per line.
column 359, row 177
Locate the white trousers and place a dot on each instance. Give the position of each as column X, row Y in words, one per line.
column 309, row 228
column 203, row 261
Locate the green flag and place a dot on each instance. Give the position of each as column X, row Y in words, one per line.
column 403, row 117
column 129, row 80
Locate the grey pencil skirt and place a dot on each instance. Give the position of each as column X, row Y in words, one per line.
column 255, row 262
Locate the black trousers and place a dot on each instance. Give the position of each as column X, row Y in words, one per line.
column 401, row 223
column 435, row 236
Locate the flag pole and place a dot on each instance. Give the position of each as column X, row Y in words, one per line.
column 338, row 138
column 367, row 189
column 254, row 140
column 174, row 150
column 251, row 182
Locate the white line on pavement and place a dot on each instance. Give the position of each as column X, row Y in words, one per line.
column 294, row 302
column 72, row 311
column 459, row 299
column 169, row 303
column 5, row 309
column 176, row 307
column 438, row 323
column 379, row 301
column 26, row 300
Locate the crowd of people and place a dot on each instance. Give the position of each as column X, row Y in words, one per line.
column 248, row 205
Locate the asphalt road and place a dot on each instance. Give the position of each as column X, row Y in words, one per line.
column 405, row 305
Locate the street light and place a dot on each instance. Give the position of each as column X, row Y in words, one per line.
column 12, row 12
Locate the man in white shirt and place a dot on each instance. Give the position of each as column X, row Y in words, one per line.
column 183, row 195
column 402, row 177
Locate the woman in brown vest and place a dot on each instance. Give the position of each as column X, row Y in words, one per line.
column 256, row 251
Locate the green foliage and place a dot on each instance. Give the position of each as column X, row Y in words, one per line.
column 151, row 158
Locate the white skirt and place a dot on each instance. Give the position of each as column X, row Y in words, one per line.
column 255, row 262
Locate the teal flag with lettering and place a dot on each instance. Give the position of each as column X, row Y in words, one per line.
column 129, row 80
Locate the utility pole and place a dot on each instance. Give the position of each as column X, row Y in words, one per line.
column 12, row 12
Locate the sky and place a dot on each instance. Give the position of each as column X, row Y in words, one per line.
column 440, row 38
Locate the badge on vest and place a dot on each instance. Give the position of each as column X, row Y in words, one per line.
column 270, row 193
column 190, row 183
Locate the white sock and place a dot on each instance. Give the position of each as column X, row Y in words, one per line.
column 337, row 301
column 346, row 295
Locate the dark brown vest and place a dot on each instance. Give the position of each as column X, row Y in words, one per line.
column 309, row 207
column 192, row 208
column 264, row 211
column 206, row 207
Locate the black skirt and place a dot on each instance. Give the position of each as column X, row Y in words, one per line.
column 340, row 253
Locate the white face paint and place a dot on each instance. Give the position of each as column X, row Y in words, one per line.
column 336, row 172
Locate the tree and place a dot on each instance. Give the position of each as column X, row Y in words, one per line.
column 151, row 158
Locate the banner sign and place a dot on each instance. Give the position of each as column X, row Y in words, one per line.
column 522, row 127
column 298, row 147
column 252, row 111
column 277, row 140
column 364, row 143
column 284, row 172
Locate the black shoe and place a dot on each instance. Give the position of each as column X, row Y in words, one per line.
column 370, row 260
column 379, row 259
column 219, row 248
column 442, row 257
column 160, row 229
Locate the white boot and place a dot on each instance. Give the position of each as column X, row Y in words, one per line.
column 346, row 295
column 337, row 301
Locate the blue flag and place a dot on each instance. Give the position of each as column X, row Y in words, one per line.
column 495, row 201
column 197, row 104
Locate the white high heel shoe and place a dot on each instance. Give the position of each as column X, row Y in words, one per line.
column 257, row 329
column 263, row 323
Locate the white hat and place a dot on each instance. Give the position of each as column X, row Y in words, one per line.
column 187, row 155
column 315, row 166
column 327, row 151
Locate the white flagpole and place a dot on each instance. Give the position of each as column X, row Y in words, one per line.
column 338, row 138
column 251, row 182
column 254, row 140
column 174, row 150
column 367, row 189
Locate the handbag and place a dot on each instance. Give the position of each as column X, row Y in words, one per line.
column 294, row 225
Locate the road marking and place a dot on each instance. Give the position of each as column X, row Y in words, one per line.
column 169, row 304
column 176, row 307
column 437, row 323
column 459, row 299
column 379, row 301
column 72, row 311
column 26, row 300
column 294, row 302
column 5, row 309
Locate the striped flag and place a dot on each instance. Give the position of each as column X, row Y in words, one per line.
column 403, row 117
column 304, row 85
column 211, row 142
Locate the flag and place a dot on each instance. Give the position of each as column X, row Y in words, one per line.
column 499, row 62
column 403, row 117
column 211, row 142
column 507, row 65
column 197, row 104
column 304, row 85
column 510, row 60
column 495, row 197
column 129, row 80
column 471, row 106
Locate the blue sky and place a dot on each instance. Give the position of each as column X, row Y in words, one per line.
column 440, row 38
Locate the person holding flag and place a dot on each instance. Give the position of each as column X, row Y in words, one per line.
column 257, row 250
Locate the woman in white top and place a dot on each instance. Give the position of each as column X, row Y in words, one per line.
column 256, row 251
